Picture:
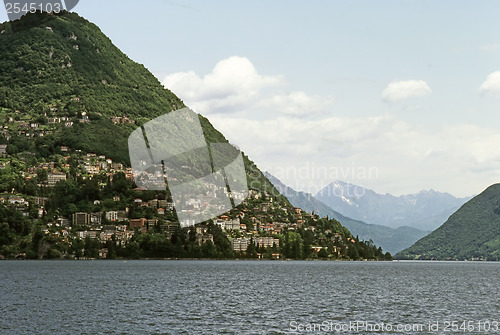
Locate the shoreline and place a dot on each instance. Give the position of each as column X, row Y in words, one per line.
column 256, row 259
column 199, row 259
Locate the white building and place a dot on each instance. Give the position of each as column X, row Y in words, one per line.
column 112, row 216
column 233, row 224
column 240, row 244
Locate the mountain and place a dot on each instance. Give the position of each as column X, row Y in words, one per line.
column 426, row 210
column 69, row 99
column 390, row 239
column 472, row 232
column 62, row 66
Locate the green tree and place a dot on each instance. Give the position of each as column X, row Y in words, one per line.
column 251, row 250
column 77, row 246
column 209, row 250
column 323, row 253
column 54, row 254
column 42, row 176
column 294, row 245
column 91, row 247
column 352, row 252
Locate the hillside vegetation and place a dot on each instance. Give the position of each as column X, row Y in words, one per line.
column 471, row 233
column 61, row 65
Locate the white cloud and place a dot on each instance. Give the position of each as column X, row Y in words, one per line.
column 492, row 84
column 235, row 86
column 401, row 90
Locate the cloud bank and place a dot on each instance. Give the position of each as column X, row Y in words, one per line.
column 454, row 158
column 270, row 123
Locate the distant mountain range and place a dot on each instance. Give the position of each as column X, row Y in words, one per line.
column 390, row 239
column 471, row 233
column 426, row 210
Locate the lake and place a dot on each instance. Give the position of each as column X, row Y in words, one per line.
column 249, row 297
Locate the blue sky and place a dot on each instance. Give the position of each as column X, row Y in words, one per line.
column 394, row 95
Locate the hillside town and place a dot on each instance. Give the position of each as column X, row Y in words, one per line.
column 260, row 221
column 62, row 202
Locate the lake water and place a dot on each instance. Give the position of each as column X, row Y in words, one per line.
column 249, row 297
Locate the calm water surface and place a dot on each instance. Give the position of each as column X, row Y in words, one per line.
column 247, row 297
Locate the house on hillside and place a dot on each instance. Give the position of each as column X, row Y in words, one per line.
column 137, row 223
column 80, row 219
column 54, row 177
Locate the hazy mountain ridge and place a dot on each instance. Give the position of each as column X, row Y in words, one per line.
column 390, row 239
column 472, row 232
column 425, row 210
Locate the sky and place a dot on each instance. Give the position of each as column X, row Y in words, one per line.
column 394, row 95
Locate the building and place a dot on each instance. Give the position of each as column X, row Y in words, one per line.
column 112, row 216
column 3, row 149
column 88, row 233
column 103, row 253
column 195, row 203
column 266, row 242
column 152, row 223
column 95, row 218
column 169, row 228
column 40, row 201
column 166, row 204
column 18, row 201
column 80, row 219
column 233, row 224
column 63, row 222
column 117, row 166
column 54, row 177
column 153, row 203
column 138, row 223
column 53, row 120
column 264, row 207
column 202, row 235
column 240, row 244
column 92, row 169
column 187, row 223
